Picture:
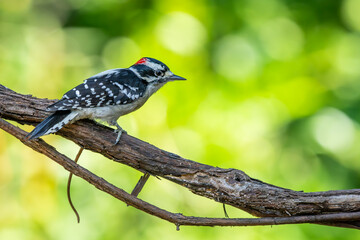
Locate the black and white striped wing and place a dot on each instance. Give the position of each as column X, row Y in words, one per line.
column 112, row 87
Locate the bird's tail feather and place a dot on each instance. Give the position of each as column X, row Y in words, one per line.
column 52, row 124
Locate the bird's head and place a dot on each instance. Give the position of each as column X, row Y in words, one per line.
column 153, row 71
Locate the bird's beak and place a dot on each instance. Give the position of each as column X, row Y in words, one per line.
column 175, row 77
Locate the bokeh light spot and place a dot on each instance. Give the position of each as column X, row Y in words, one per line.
column 350, row 13
column 347, row 57
column 181, row 33
column 235, row 58
column 249, row 10
column 282, row 38
column 333, row 130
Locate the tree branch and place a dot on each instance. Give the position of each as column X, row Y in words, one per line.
column 229, row 186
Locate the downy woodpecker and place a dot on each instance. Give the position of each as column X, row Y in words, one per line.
column 107, row 96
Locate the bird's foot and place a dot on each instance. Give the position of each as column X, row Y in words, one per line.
column 119, row 130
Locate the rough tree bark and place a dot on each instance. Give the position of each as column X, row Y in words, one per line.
column 229, row 186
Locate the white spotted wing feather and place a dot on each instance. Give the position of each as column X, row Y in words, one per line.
column 109, row 88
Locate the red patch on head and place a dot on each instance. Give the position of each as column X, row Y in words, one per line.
column 141, row 61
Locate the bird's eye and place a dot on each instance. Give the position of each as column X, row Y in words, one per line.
column 159, row 73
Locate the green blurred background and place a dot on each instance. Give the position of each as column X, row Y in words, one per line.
column 273, row 89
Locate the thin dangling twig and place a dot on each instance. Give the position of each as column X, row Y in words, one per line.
column 139, row 186
column 224, row 208
column 68, row 187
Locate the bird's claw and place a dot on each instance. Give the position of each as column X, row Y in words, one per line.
column 120, row 132
column 118, row 137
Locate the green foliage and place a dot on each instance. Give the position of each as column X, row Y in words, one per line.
column 273, row 89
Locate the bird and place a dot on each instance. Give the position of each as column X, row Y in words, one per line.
column 106, row 96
